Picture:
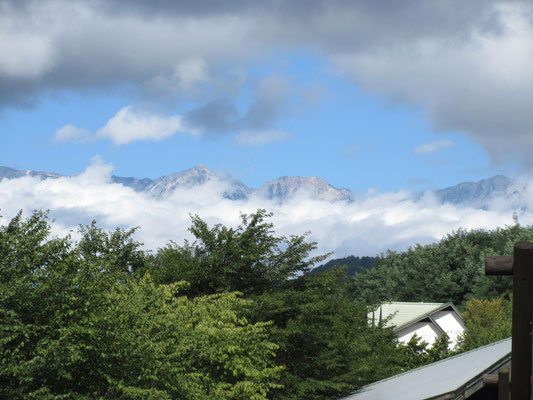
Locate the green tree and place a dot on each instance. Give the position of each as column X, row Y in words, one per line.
column 114, row 251
column 158, row 344
column 486, row 321
column 249, row 259
column 76, row 323
column 326, row 344
column 417, row 352
column 451, row 270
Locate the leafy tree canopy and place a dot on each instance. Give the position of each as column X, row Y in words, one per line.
column 451, row 270
column 486, row 321
column 77, row 323
column 249, row 258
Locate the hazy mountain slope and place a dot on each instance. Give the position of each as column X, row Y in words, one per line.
column 286, row 187
column 139, row 185
column 10, row 173
column 476, row 193
column 195, row 176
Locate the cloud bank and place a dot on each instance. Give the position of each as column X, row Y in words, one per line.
column 371, row 224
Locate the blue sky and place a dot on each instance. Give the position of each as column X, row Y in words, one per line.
column 375, row 113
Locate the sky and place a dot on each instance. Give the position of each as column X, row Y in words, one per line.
column 378, row 97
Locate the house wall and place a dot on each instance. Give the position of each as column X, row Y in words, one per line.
column 425, row 330
column 450, row 323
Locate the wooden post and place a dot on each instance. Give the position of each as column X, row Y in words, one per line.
column 522, row 320
column 503, row 384
column 521, row 267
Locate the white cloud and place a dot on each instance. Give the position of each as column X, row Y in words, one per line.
column 24, row 55
column 456, row 65
column 186, row 78
column 432, row 147
column 130, row 124
column 259, row 138
column 71, row 133
column 371, row 224
column 476, row 82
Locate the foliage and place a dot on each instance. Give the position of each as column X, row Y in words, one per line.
column 232, row 315
column 486, row 321
column 416, row 352
column 249, row 259
column 116, row 250
column 449, row 271
column 76, row 323
column 353, row 264
column 326, row 344
column 157, row 341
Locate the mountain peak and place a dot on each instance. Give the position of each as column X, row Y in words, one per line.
column 477, row 193
column 286, row 187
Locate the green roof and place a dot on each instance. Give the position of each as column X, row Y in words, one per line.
column 398, row 314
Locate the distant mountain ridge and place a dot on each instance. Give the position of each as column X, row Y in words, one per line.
column 286, row 187
column 476, row 193
column 11, row 173
column 479, row 192
column 195, row 176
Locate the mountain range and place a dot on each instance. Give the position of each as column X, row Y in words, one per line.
column 476, row 193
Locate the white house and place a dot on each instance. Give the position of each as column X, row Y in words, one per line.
column 427, row 320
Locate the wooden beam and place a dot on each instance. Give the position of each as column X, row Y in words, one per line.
column 498, row 265
column 490, row 379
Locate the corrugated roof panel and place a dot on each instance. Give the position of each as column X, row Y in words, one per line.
column 403, row 313
column 439, row 378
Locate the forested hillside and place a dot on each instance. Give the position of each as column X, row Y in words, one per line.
column 230, row 315
column 450, row 270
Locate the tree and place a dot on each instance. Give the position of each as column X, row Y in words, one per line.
column 486, row 321
column 76, row 323
column 249, row 259
column 417, row 352
column 115, row 251
column 159, row 344
column 326, row 344
column 449, row 271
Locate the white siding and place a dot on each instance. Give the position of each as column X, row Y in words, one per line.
column 450, row 323
column 425, row 330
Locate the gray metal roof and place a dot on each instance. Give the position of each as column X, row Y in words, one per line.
column 401, row 314
column 453, row 375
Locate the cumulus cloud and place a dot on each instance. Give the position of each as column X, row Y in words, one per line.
column 371, row 224
column 186, row 78
column 269, row 99
column 432, row 147
column 467, row 64
column 475, row 82
column 130, row 124
column 272, row 93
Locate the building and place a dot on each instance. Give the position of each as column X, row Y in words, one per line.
column 455, row 378
column 426, row 320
